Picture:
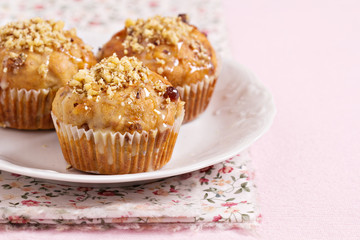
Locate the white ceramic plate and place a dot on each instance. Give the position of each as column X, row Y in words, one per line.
column 240, row 111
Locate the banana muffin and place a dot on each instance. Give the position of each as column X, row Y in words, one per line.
column 118, row 117
column 174, row 49
column 37, row 57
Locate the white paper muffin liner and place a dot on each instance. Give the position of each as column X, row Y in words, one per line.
column 26, row 109
column 196, row 97
column 108, row 152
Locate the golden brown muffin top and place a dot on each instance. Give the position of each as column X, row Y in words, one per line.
column 112, row 74
column 168, row 45
column 154, row 30
column 37, row 54
column 119, row 95
column 35, row 35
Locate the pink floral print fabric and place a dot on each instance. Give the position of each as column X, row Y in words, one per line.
column 222, row 193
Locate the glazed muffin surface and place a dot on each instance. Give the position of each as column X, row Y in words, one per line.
column 167, row 45
column 118, row 95
column 39, row 54
column 37, row 57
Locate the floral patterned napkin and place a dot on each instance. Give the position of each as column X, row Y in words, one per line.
column 222, row 193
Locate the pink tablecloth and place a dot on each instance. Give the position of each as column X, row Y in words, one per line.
column 308, row 54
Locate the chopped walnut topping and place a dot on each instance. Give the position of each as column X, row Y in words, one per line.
column 149, row 47
column 112, row 74
column 200, row 51
column 154, row 31
column 43, row 70
column 35, row 35
column 161, row 61
column 160, row 70
column 147, row 34
column 14, row 62
column 13, row 55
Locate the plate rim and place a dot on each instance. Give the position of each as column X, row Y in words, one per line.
column 159, row 174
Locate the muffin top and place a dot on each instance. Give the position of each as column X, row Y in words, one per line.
column 167, row 45
column 120, row 95
column 37, row 54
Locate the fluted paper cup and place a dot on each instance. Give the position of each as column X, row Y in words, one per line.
column 26, row 109
column 108, row 152
column 196, row 97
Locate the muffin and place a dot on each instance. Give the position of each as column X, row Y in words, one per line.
column 174, row 49
column 37, row 57
column 117, row 118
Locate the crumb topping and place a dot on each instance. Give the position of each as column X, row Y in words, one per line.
column 145, row 35
column 112, row 74
column 35, row 35
column 200, row 51
column 43, row 70
column 154, row 31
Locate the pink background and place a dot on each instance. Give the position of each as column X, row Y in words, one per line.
column 308, row 54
